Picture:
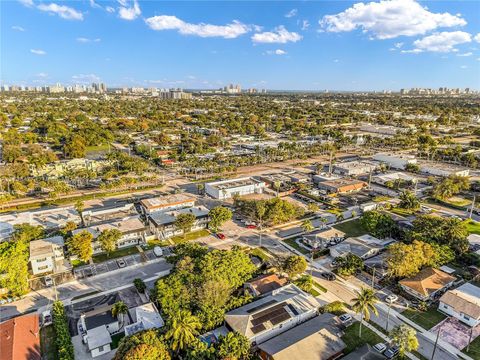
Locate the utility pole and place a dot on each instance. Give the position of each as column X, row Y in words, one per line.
column 435, row 345
column 373, row 278
column 473, row 205
column 388, row 316
column 470, row 339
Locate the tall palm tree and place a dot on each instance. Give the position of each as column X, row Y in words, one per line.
column 307, row 226
column 119, row 309
column 363, row 304
column 183, row 329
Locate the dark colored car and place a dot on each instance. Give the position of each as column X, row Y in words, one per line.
column 329, row 276
column 392, row 352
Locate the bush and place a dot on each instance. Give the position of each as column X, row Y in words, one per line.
column 140, row 285
column 336, row 308
column 62, row 335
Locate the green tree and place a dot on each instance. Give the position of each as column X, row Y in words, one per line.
column 74, row 147
column 185, row 222
column 349, row 264
column 233, row 346
column 183, row 328
column 119, row 309
column 295, row 265
column 81, row 245
column 156, row 349
column 108, row 239
column 313, row 208
column 307, row 226
column 378, row 224
column 218, row 216
column 408, row 200
column 450, row 186
column 139, row 285
column 363, row 304
column 305, row 282
column 405, row 337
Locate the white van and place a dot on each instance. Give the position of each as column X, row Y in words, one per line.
column 157, row 250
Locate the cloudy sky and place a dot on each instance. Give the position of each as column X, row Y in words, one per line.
column 302, row 45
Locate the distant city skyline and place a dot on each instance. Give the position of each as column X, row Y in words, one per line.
column 288, row 45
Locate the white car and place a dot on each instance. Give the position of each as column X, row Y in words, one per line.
column 157, row 250
column 48, row 281
column 380, row 347
column 391, row 298
column 345, row 319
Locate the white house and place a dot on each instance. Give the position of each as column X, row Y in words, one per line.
column 272, row 315
column 365, row 247
column 162, row 224
column 226, row 189
column 354, row 168
column 98, row 341
column 462, row 303
column 395, row 161
column 46, row 255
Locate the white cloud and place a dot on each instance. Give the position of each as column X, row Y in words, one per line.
column 85, row 78
column 336, row 61
column 463, row 67
column 38, row 52
column 127, row 12
column 109, row 9
column 388, row 19
column 167, row 22
column 17, row 28
column 42, row 75
column 94, row 5
column 477, row 38
column 28, row 3
column 276, row 52
column 412, row 51
column 465, row 54
column 443, row 41
column 398, row 45
column 63, row 11
column 305, row 24
column 291, row 13
column 87, row 40
column 280, row 36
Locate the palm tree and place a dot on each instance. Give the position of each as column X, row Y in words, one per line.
column 118, row 310
column 307, row 226
column 363, row 304
column 183, row 329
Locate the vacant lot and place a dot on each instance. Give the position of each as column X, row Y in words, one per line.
column 351, row 228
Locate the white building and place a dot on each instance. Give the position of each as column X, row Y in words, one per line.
column 166, row 203
column 46, row 255
column 395, row 161
column 354, row 168
column 385, row 179
column 462, row 303
column 99, row 341
column 103, row 214
column 443, row 169
column 144, row 317
column 226, row 189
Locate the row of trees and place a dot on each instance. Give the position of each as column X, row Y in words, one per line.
column 63, row 339
column 269, row 212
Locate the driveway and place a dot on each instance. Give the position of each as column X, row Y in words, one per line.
column 455, row 332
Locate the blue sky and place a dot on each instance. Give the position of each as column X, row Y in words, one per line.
column 302, row 45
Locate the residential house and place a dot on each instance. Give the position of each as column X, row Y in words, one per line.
column 428, row 283
column 316, row 339
column 103, row 214
column 226, row 189
column 132, row 229
column 99, row 341
column 264, row 284
column 462, row 303
column 47, row 256
column 321, row 237
column 144, row 317
column 365, row 246
column 162, row 224
column 20, row 338
column 272, row 315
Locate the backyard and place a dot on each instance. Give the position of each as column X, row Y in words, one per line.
column 426, row 319
column 351, row 228
column 190, row 236
column 47, row 343
column 115, row 254
column 353, row 341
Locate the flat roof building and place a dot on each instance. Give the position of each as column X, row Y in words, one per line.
column 166, row 203
column 226, row 189
column 341, row 186
column 354, row 168
column 442, row 169
column 395, row 161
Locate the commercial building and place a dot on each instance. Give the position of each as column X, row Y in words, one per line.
column 341, row 186
column 462, row 303
column 226, row 189
column 46, row 255
column 393, row 178
column 20, row 338
column 442, row 169
column 166, row 203
column 353, row 168
column 272, row 315
column 162, row 224
column 427, row 283
column 395, row 161
column 104, row 214
column 316, row 339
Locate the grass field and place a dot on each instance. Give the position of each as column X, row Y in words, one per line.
column 152, row 243
column 116, row 339
column 351, row 228
column 474, row 350
column 294, row 244
column 261, row 254
column 473, row 227
column 115, row 254
column 47, row 343
column 353, row 341
column 426, row 319
column 190, row 236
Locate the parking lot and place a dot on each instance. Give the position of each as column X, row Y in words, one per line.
column 115, row 264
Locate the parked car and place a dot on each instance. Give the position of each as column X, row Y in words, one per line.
column 48, row 281
column 157, row 250
column 391, row 298
column 345, row 319
column 392, row 352
column 380, row 347
column 121, row 263
column 329, row 276
column 221, row 236
column 46, row 318
column 251, row 226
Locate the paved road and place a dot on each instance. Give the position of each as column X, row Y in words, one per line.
column 100, row 283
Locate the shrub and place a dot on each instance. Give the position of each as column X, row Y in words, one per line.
column 62, row 335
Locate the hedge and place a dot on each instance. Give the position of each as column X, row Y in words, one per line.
column 62, row 335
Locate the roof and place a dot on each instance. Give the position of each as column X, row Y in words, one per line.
column 344, row 184
column 102, row 317
column 316, row 339
column 44, row 247
column 235, row 183
column 270, row 311
column 427, row 281
column 169, row 217
column 97, row 337
column 325, row 233
column 47, row 218
column 166, row 201
column 125, row 226
column 464, row 299
column 267, row 283
column 20, row 338
column 145, row 317
column 360, row 246
column 364, row 353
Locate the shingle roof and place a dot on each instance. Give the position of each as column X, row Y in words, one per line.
column 464, row 299
column 20, row 338
column 427, row 281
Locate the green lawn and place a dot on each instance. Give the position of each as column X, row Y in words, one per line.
column 116, row 254
column 351, row 228
column 426, row 319
column 402, row 212
column 190, row 236
column 261, row 254
column 47, row 343
column 353, row 341
column 77, row 263
column 116, row 339
column 152, row 243
column 320, row 287
column 473, row 227
column 474, row 350
column 97, row 148
column 294, row 244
